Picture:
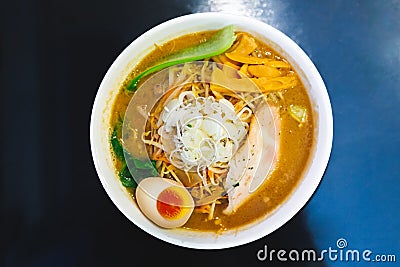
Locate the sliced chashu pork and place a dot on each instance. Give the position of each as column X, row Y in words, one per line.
column 255, row 159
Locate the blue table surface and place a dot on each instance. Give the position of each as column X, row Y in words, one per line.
column 54, row 211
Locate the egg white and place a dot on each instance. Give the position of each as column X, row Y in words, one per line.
column 147, row 193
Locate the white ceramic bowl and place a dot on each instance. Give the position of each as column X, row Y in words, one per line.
column 99, row 128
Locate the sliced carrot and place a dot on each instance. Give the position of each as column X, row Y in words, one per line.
column 278, row 64
column 246, row 45
column 275, row 84
column 244, row 70
column 263, row 71
column 161, row 156
column 222, row 83
column 246, row 59
column 225, row 60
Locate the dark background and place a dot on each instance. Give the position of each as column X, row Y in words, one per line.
column 54, row 54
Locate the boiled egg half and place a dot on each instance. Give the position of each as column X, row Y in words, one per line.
column 164, row 201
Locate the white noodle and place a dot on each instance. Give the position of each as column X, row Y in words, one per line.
column 242, row 114
column 212, row 209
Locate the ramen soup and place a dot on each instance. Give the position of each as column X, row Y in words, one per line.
column 214, row 144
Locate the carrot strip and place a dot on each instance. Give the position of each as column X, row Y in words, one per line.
column 246, row 45
column 263, row 71
column 246, row 59
column 231, row 63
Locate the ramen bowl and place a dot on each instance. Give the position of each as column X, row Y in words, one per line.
column 123, row 65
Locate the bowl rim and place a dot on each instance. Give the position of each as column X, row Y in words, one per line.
column 253, row 231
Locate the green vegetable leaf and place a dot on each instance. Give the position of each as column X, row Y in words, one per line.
column 116, row 143
column 137, row 168
column 142, row 164
column 217, row 44
column 126, row 178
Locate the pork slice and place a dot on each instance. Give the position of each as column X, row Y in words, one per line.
column 255, row 159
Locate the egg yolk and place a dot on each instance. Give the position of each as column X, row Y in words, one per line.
column 170, row 203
